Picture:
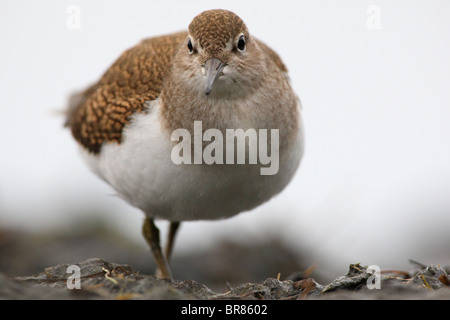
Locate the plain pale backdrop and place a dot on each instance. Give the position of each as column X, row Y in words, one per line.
column 374, row 183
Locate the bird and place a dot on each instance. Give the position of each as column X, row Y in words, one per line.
column 215, row 74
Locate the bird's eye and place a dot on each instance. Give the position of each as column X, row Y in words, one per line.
column 190, row 46
column 241, row 43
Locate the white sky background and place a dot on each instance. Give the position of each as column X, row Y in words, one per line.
column 375, row 179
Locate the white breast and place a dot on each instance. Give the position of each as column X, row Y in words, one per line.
column 141, row 171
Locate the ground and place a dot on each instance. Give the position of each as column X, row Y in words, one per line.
column 28, row 271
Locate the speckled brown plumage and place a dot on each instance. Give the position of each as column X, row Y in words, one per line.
column 100, row 113
column 213, row 29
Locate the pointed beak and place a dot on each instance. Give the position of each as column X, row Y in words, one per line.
column 213, row 68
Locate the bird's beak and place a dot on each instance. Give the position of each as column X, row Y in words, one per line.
column 213, row 68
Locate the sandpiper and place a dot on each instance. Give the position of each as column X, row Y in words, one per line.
column 215, row 74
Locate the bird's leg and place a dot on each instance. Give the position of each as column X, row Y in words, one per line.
column 170, row 243
column 171, row 239
column 151, row 234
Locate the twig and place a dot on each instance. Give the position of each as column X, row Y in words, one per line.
column 425, row 282
column 354, row 266
column 399, row 272
column 310, row 270
column 396, row 278
column 421, row 265
column 306, row 286
column 107, row 273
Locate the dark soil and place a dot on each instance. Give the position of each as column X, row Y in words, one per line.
column 24, row 274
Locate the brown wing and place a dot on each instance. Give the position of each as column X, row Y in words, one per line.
column 272, row 55
column 99, row 113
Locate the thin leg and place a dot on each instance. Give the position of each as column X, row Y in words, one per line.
column 171, row 238
column 151, row 234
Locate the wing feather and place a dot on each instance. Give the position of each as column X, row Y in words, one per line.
column 99, row 113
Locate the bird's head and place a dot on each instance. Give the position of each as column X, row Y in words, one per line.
column 221, row 53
